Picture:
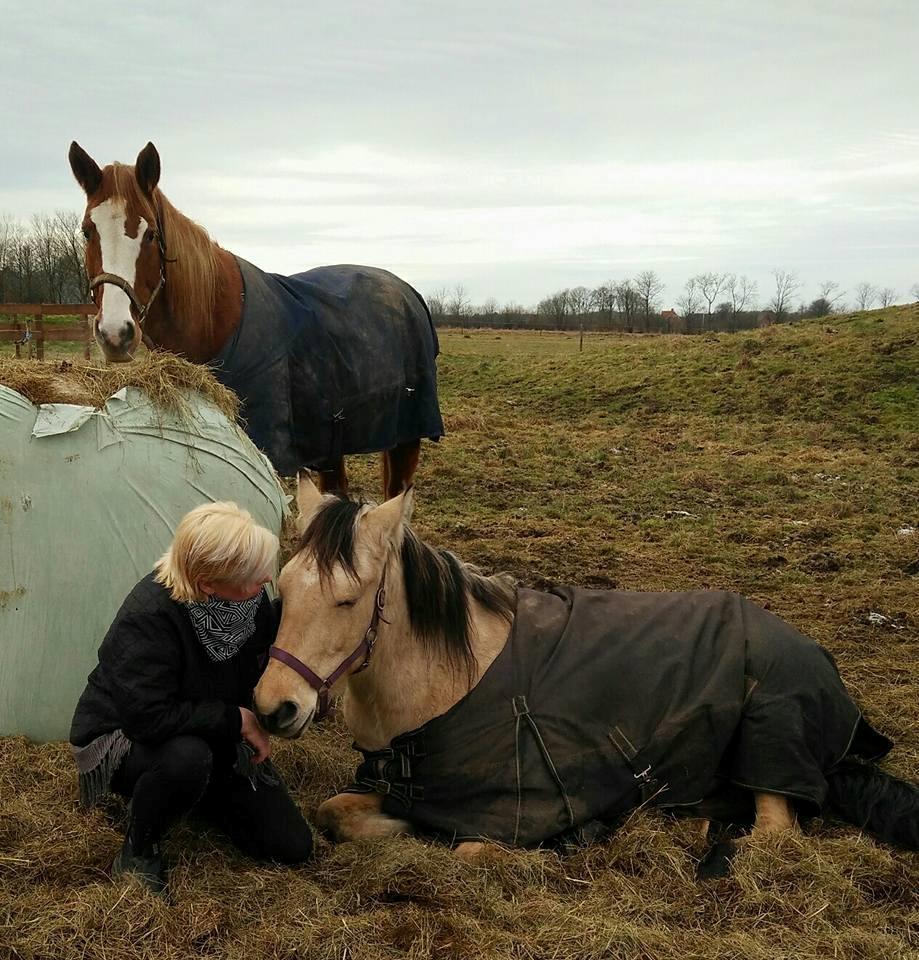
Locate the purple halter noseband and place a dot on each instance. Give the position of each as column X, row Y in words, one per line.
column 364, row 649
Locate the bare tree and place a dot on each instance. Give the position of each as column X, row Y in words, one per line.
column 26, row 269
column 787, row 285
column 830, row 292
column 458, row 305
column 437, row 304
column 627, row 301
column 710, row 285
column 827, row 301
column 887, row 296
column 71, row 250
column 513, row 314
column 580, row 300
column 9, row 242
column 649, row 287
column 45, row 249
column 490, row 308
column 689, row 302
column 865, row 295
column 604, row 301
column 742, row 291
column 555, row 309
column 44, row 261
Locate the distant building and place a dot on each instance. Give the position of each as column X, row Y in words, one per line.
column 669, row 315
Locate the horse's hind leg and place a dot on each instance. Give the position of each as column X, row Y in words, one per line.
column 358, row 816
column 334, row 479
column 399, row 466
column 773, row 813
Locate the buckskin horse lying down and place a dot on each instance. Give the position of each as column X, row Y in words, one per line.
column 484, row 711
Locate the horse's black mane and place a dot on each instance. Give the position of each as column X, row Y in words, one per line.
column 438, row 584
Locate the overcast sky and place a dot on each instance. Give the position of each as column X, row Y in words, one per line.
column 515, row 148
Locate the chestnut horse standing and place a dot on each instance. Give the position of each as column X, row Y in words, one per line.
column 339, row 360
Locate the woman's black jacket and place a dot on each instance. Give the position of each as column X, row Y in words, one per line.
column 155, row 681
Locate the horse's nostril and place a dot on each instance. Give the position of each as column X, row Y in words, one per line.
column 283, row 715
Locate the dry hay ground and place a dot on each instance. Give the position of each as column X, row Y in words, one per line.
column 782, row 464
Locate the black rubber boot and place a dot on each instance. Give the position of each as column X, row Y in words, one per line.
column 145, row 863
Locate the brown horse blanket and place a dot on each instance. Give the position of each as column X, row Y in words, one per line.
column 332, row 361
column 602, row 700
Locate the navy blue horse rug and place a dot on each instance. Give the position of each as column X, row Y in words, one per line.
column 333, row 361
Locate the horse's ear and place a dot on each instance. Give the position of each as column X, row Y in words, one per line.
column 385, row 522
column 308, row 499
column 408, row 503
column 85, row 169
column 147, row 169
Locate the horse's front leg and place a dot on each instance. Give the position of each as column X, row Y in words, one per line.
column 774, row 813
column 334, row 479
column 399, row 466
column 358, row 816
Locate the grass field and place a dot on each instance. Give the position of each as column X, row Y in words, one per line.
column 783, row 464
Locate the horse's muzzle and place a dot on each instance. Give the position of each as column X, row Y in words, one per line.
column 120, row 347
column 284, row 721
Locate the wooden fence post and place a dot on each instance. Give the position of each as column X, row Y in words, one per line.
column 26, row 323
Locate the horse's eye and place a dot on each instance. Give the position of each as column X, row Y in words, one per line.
column 149, row 236
column 87, row 232
column 346, row 603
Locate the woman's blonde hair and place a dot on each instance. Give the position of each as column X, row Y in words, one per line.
column 217, row 542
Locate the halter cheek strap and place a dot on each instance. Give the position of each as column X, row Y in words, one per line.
column 364, row 649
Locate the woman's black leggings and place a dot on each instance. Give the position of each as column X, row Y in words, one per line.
column 185, row 773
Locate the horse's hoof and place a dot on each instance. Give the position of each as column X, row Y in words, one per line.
column 717, row 862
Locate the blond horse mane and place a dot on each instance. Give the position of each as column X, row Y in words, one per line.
column 192, row 268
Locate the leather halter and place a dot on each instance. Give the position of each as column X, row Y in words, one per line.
column 364, row 649
column 142, row 309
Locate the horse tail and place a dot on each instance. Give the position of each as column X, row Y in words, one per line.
column 876, row 802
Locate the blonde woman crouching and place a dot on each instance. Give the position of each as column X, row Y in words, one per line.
column 165, row 720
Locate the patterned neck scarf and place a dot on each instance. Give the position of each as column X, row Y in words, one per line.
column 223, row 626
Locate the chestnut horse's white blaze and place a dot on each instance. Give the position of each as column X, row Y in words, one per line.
column 120, row 245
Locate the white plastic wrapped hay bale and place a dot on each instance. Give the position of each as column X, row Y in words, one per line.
column 89, row 499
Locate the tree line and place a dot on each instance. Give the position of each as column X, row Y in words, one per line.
column 41, row 261
column 707, row 301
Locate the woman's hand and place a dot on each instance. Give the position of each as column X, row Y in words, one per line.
column 252, row 732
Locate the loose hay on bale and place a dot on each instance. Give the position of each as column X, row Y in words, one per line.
column 164, row 377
